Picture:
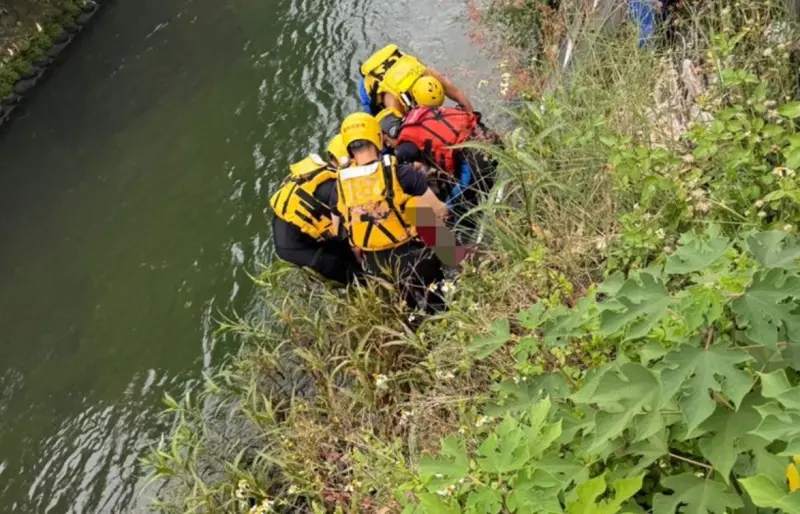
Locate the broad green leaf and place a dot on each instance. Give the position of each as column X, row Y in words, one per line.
column 564, row 470
column 776, row 386
column 695, row 254
column 696, row 370
column 776, row 423
column 612, row 284
column 701, row 306
column 433, row 504
column 792, row 158
column 697, row 495
column 652, row 351
column 790, row 110
column 529, row 494
column 639, row 304
column 531, row 318
column 453, row 464
column 483, row 346
column 505, row 449
column 768, row 306
column 768, row 495
column 484, row 500
column 774, row 249
column 588, row 493
column 792, row 448
column 620, row 396
column 727, row 428
column 650, row 451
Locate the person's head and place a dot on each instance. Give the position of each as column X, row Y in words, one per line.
column 427, row 91
column 337, row 152
column 361, row 135
column 390, row 121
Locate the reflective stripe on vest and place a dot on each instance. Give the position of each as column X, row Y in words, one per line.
column 372, row 204
column 294, row 202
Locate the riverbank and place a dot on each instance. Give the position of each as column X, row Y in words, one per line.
column 627, row 342
column 33, row 33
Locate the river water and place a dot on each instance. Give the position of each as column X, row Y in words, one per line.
column 133, row 194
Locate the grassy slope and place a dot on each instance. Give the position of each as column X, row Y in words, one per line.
column 333, row 403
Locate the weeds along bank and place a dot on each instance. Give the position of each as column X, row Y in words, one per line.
column 628, row 342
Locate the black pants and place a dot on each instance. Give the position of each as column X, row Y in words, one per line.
column 332, row 259
column 416, row 272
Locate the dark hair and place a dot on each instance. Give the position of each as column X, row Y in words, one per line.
column 358, row 144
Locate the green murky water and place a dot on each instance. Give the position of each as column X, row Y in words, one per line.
column 133, row 195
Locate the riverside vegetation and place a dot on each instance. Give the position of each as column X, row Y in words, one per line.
column 628, row 342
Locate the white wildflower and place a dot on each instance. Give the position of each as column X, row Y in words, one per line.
column 783, row 171
column 788, row 228
column 482, row 420
column 448, row 286
column 667, row 249
column 462, row 430
column 39, row 27
column 698, row 193
column 660, row 233
column 443, row 492
column 439, row 475
column 762, row 214
column 406, row 414
column 759, row 203
column 688, row 158
column 703, row 207
column 770, row 103
column 516, row 380
column 767, row 52
column 349, row 488
column 381, row 381
column 292, row 489
column 445, row 375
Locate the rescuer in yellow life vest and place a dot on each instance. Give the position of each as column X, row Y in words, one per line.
column 391, row 78
column 373, row 198
column 302, row 229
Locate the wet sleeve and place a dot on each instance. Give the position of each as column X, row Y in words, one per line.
column 412, row 181
column 407, row 152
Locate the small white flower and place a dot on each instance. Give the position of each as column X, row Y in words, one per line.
column 406, row 414
column 39, row 27
column 788, row 228
column 448, row 286
column 762, row 214
column 703, row 207
column 463, row 480
column 381, row 381
column 516, row 380
column 698, row 194
column 767, row 52
column 439, row 475
column 462, row 430
column 482, row 420
column 292, row 489
column 770, row 103
column 443, row 492
column 759, row 203
column 667, row 249
column 660, row 233
column 445, row 375
column 688, row 158
column 349, row 488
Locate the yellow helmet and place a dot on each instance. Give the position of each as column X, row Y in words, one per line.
column 361, row 126
column 337, row 150
column 428, row 92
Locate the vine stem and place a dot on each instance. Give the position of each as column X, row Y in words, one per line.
column 690, row 461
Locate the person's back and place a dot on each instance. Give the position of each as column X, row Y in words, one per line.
column 302, row 230
column 389, row 77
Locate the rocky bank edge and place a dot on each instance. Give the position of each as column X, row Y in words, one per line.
column 27, row 58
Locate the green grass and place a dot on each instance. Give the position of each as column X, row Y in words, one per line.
column 611, row 175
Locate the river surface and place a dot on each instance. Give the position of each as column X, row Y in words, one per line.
column 133, row 195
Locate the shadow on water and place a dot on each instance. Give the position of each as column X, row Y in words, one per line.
column 133, row 191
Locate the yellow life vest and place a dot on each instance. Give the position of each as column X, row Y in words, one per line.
column 294, row 201
column 373, row 205
column 391, row 71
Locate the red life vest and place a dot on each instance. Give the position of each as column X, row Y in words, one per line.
column 435, row 130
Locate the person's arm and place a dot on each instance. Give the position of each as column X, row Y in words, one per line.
column 450, row 89
column 439, row 208
column 415, row 183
